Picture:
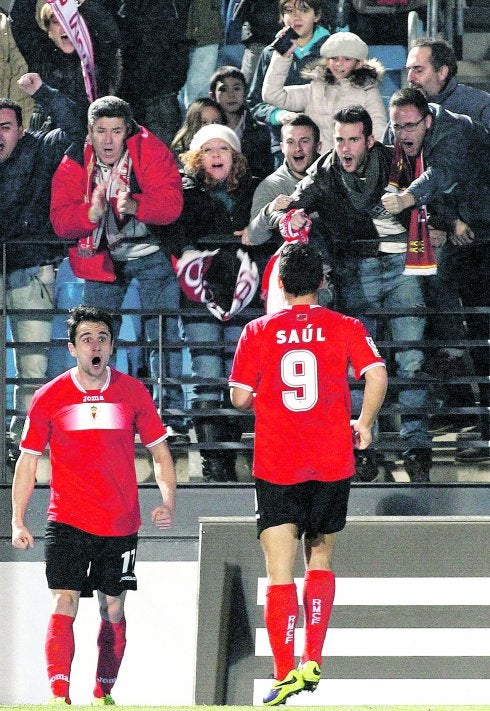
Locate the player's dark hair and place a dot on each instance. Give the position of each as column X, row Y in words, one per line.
column 442, row 54
column 301, row 269
column 410, row 97
column 6, row 103
column 91, row 314
column 304, row 121
column 355, row 114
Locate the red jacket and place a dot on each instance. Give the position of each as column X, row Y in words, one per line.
column 159, row 200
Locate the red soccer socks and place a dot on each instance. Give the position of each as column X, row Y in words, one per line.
column 111, row 643
column 318, row 596
column 280, row 616
column 59, row 649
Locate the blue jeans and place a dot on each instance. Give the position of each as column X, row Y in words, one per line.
column 377, row 283
column 159, row 290
column 213, row 362
column 26, row 289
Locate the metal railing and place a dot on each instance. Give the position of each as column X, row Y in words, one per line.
column 389, row 441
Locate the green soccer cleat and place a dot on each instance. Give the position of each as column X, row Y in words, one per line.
column 282, row 689
column 310, row 671
column 59, row 701
column 106, row 700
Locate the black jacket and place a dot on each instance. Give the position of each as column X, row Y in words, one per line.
column 25, row 186
column 351, row 231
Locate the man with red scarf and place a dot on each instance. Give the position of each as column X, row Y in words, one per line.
column 115, row 195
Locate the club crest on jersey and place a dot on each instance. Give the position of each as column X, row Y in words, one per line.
column 301, row 335
column 372, row 346
column 93, row 411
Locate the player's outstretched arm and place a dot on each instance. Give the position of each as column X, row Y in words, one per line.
column 374, row 394
column 22, row 487
column 163, row 467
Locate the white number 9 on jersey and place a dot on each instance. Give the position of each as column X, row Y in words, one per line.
column 299, row 371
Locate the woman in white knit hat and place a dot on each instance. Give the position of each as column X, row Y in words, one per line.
column 343, row 76
column 215, row 271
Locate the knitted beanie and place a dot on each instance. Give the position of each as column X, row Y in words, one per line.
column 344, row 44
column 215, row 130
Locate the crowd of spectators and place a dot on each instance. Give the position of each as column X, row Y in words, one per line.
column 294, row 144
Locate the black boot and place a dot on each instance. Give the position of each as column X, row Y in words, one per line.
column 217, row 465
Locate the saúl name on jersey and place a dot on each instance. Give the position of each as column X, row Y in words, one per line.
column 302, row 335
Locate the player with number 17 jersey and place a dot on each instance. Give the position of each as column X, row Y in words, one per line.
column 296, row 363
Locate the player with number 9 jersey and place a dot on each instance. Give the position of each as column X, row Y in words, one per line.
column 296, row 363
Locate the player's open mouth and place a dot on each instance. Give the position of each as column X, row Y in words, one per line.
column 217, row 165
column 96, row 360
column 347, row 160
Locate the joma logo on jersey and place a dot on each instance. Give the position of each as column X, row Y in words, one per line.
column 93, row 398
column 303, row 335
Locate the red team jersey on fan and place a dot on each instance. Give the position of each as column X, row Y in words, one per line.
column 296, row 361
column 91, row 439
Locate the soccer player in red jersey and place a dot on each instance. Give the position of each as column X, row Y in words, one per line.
column 291, row 368
column 89, row 416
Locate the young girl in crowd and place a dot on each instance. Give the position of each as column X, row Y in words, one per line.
column 342, row 77
column 201, row 112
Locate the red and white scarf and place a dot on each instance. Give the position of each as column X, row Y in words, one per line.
column 191, row 271
column 66, row 12
column 420, row 260
column 112, row 223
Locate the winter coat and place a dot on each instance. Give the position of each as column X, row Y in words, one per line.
column 155, row 49
column 207, row 224
column 156, row 187
column 25, row 186
column 324, row 96
column 351, row 230
column 463, row 99
column 63, row 71
column 265, row 112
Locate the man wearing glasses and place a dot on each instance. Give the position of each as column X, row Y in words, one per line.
column 455, row 186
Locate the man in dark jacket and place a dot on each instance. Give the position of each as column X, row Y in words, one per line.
column 27, row 163
column 457, row 153
column 345, row 187
column 432, row 67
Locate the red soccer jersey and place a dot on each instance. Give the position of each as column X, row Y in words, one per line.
column 91, row 439
column 296, row 361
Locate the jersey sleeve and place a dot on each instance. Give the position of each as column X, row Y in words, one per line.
column 148, row 423
column 245, row 368
column 362, row 350
column 37, row 427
